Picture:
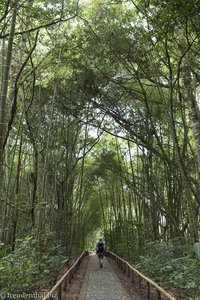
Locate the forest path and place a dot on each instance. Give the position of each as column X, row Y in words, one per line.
column 103, row 283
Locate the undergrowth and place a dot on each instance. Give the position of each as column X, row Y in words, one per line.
column 173, row 265
column 27, row 269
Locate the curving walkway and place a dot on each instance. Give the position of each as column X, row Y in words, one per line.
column 102, row 283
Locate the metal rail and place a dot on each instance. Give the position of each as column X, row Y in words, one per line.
column 61, row 285
column 130, row 271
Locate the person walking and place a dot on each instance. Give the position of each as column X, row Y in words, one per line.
column 100, row 251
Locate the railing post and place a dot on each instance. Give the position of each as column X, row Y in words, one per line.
column 139, row 281
column 124, row 266
column 65, row 285
column 60, row 292
column 70, row 278
column 158, row 295
column 132, row 276
column 148, row 291
column 128, row 271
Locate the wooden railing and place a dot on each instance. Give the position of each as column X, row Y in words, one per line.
column 132, row 272
column 66, row 279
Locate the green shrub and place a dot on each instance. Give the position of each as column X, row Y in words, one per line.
column 27, row 269
column 172, row 264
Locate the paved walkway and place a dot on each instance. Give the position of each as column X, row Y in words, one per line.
column 102, row 283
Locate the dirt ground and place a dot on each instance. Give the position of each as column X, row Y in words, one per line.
column 73, row 289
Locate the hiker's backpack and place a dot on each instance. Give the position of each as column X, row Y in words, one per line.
column 100, row 247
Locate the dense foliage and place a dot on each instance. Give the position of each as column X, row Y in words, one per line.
column 174, row 266
column 99, row 130
column 28, row 269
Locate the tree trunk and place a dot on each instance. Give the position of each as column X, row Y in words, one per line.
column 194, row 113
column 4, row 88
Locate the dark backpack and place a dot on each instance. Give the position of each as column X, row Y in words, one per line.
column 100, row 247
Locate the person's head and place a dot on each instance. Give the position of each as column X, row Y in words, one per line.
column 100, row 240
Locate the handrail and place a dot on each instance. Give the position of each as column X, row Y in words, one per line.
column 61, row 285
column 127, row 268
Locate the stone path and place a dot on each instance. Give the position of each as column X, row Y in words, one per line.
column 102, row 283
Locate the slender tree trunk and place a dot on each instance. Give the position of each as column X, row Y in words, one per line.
column 194, row 113
column 4, row 88
column 15, row 213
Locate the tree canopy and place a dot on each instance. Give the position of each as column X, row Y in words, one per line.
column 99, row 123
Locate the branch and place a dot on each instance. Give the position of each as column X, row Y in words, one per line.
column 16, row 88
column 39, row 27
column 6, row 12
